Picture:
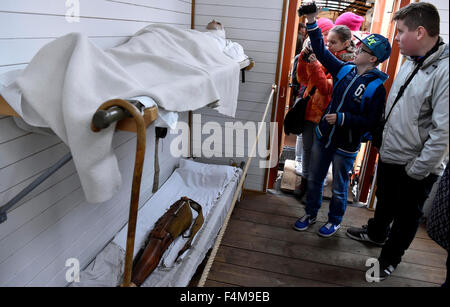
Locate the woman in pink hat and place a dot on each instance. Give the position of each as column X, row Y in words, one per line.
column 354, row 23
column 325, row 26
column 351, row 20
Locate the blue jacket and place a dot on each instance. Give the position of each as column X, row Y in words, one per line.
column 355, row 119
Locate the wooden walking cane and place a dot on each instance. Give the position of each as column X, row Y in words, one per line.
column 136, row 185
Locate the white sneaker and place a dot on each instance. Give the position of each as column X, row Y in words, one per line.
column 298, row 168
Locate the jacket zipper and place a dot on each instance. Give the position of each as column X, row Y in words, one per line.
column 339, row 108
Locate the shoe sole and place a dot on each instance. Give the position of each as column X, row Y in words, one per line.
column 363, row 240
column 327, row 236
column 303, row 229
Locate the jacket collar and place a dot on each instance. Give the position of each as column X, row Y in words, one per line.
column 441, row 53
column 378, row 73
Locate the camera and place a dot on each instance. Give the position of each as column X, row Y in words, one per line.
column 305, row 56
column 307, row 9
column 307, row 51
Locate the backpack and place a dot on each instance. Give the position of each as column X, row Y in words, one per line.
column 367, row 95
column 438, row 225
column 294, row 121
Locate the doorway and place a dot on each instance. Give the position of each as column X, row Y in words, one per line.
column 377, row 16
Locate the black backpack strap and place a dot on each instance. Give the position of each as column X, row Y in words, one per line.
column 419, row 65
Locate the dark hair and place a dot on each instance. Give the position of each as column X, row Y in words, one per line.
column 301, row 25
column 344, row 34
column 420, row 14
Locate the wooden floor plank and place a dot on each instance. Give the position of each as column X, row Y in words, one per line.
column 260, row 248
column 280, row 222
column 218, row 284
column 289, row 206
column 321, row 253
column 249, row 277
column 307, row 270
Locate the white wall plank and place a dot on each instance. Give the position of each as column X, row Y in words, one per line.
column 237, row 12
column 256, row 26
column 443, row 7
column 54, row 222
column 9, row 131
column 268, row 4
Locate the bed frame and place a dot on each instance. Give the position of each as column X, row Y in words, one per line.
column 117, row 110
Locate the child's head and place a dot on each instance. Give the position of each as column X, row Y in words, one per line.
column 417, row 25
column 216, row 28
column 302, row 29
column 351, row 20
column 373, row 50
column 214, row 25
column 325, row 25
column 339, row 38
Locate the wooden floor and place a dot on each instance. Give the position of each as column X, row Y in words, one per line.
column 260, row 248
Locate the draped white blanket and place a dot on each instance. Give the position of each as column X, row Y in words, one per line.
column 69, row 78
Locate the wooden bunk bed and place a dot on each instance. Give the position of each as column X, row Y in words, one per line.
column 138, row 122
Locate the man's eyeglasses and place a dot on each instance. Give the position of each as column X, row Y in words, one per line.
column 362, row 49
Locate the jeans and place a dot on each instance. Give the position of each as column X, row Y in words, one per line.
column 304, row 147
column 308, row 140
column 299, row 148
column 321, row 158
column 400, row 201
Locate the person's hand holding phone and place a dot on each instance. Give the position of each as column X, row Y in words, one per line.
column 312, row 58
column 311, row 17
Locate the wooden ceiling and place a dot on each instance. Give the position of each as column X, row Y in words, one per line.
column 341, row 6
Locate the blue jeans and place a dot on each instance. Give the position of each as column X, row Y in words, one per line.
column 299, row 148
column 304, row 146
column 308, row 141
column 321, row 158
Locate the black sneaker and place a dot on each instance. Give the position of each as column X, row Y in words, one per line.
column 386, row 270
column 361, row 234
column 380, row 271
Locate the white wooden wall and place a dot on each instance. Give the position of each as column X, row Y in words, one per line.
column 256, row 26
column 54, row 222
column 442, row 6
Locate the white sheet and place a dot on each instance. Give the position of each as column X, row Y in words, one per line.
column 213, row 186
column 232, row 49
column 165, row 118
column 203, row 183
column 70, row 77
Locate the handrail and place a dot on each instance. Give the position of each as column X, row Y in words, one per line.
column 210, row 261
column 27, row 190
column 101, row 119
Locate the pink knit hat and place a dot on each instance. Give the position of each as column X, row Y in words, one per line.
column 351, row 20
column 325, row 24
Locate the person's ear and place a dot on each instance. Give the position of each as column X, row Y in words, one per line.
column 346, row 44
column 373, row 59
column 420, row 32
